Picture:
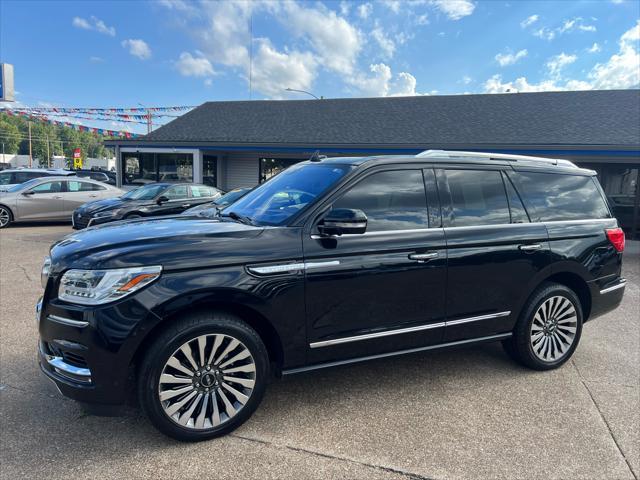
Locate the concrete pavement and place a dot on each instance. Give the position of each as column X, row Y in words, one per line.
column 468, row 413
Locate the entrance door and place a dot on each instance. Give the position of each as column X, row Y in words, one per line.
column 383, row 290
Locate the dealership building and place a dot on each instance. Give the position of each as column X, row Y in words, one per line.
column 242, row 143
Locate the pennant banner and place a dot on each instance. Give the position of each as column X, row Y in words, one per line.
column 178, row 108
column 75, row 126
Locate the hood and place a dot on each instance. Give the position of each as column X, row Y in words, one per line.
column 173, row 242
column 106, row 204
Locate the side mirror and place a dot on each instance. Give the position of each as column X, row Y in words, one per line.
column 162, row 200
column 343, row 221
column 28, row 193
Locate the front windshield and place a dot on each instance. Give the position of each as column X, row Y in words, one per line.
column 24, row 185
column 277, row 200
column 230, row 197
column 148, row 192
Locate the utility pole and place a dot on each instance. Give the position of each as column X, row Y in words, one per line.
column 48, row 155
column 149, row 124
column 30, row 152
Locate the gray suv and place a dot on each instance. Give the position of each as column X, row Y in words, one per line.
column 11, row 177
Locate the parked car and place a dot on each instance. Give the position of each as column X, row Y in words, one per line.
column 98, row 175
column 50, row 198
column 146, row 201
column 330, row 262
column 212, row 209
column 4, row 166
column 16, row 176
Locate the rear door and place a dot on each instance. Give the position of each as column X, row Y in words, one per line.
column 42, row 202
column 178, row 196
column 80, row 192
column 382, row 290
column 494, row 253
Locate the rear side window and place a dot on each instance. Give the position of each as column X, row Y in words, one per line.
column 200, row 191
column 477, row 198
column 394, row 200
column 552, row 196
column 77, row 186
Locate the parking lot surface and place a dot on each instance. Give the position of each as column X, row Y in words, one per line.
column 469, row 413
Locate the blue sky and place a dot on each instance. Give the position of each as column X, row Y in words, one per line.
column 173, row 52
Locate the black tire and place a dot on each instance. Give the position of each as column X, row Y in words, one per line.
column 167, row 345
column 6, row 217
column 520, row 346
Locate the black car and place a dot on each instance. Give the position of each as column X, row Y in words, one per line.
column 103, row 176
column 331, row 262
column 212, row 209
column 146, row 201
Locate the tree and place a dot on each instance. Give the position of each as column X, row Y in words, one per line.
column 9, row 137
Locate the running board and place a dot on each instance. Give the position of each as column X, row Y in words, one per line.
column 319, row 366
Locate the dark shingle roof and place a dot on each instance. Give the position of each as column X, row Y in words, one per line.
column 550, row 118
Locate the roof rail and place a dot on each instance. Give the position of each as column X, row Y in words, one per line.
column 494, row 156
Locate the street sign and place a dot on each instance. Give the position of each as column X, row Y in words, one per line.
column 6, row 83
column 77, row 158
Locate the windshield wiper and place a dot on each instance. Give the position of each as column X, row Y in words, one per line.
column 240, row 218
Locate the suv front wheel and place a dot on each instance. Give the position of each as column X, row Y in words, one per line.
column 203, row 376
column 549, row 328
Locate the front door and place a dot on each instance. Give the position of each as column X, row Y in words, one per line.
column 42, row 202
column 177, row 201
column 383, row 290
column 78, row 193
column 494, row 252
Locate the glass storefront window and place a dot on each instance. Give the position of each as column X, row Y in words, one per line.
column 270, row 167
column 142, row 168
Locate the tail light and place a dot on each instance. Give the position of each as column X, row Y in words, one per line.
column 616, row 237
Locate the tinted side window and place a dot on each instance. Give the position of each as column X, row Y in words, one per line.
column 5, row 178
column 199, row 191
column 21, row 177
column 394, row 200
column 176, row 193
column 77, row 186
column 552, row 196
column 48, row 187
column 477, row 198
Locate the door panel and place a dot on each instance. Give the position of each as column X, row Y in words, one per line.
column 491, row 261
column 45, row 203
column 368, row 284
column 78, row 193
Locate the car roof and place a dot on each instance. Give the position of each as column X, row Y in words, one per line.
column 61, row 171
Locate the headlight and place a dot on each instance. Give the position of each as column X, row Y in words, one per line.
column 108, row 213
column 95, row 287
column 44, row 273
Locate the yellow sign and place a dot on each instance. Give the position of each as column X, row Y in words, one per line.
column 77, row 163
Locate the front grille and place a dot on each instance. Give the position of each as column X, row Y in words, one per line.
column 80, row 221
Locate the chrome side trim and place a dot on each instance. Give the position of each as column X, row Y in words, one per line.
column 319, row 366
column 292, row 267
column 622, row 284
column 368, row 336
column 67, row 321
column 475, row 319
column 315, row 236
column 63, row 367
column 386, row 333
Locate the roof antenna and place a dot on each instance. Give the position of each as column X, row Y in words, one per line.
column 316, row 157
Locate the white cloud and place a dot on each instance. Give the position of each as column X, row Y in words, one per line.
column 466, row 80
column 529, row 21
column 505, row 59
column 381, row 82
column 422, row 19
column 96, row 59
column 364, row 10
column 190, row 66
column 393, row 5
column 274, row 71
column 556, row 63
column 545, row 33
column 93, row 23
column 345, row 7
column 576, row 23
column 335, row 41
column 387, row 46
column 454, row 9
column 595, row 48
column 621, row 71
column 137, row 48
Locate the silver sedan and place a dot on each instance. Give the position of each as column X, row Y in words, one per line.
column 50, row 198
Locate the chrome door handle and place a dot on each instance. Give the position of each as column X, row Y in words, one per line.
column 530, row 248
column 57, row 197
column 423, row 257
column 186, row 205
column 93, row 196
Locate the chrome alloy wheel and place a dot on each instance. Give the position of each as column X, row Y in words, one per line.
column 553, row 329
column 5, row 217
column 207, row 381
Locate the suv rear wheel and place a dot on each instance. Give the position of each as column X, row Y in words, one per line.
column 549, row 328
column 203, row 377
column 5, row 216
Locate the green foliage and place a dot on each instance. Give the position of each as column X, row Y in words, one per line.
column 14, row 133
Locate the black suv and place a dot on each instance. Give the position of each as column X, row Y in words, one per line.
column 330, row 262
